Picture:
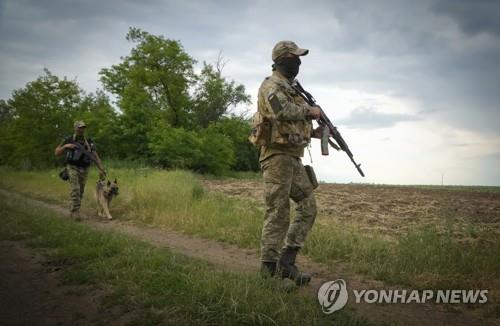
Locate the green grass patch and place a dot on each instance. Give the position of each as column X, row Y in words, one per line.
column 239, row 175
column 158, row 285
column 424, row 257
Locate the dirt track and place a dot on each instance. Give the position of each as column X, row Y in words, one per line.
column 237, row 259
column 31, row 293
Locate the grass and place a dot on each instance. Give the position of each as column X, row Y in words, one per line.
column 158, row 286
column 424, row 257
column 239, row 175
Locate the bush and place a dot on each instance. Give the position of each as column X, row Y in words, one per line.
column 205, row 151
column 175, row 147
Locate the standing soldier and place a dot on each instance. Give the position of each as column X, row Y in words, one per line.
column 289, row 122
column 80, row 152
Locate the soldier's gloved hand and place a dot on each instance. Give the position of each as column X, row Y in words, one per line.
column 318, row 132
column 314, row 112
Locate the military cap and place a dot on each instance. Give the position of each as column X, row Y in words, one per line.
column 283, row 47
column 79, row 124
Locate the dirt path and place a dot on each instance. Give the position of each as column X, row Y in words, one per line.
column 32, row 295
column 233, row 258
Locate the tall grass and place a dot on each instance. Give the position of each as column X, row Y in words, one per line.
column 174, row 199
column 424, row 257
column 158, row 286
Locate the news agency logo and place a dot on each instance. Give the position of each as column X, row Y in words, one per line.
column 333, row 296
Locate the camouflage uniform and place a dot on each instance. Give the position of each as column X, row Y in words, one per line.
column 78, row 165
column 283, row 173
column 77, row 180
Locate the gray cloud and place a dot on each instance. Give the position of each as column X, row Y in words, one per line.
column 421, row 51
column 473, row 17
column 368, row 118
column 441, row 54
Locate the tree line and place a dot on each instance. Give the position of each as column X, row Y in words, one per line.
column 164, row 113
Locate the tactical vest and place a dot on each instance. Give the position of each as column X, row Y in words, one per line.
column 76, row 156
column 268, row 131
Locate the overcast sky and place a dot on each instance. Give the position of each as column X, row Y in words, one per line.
column 414, row 86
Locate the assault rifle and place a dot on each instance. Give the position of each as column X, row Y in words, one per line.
column 90, row 155
column 330, row 132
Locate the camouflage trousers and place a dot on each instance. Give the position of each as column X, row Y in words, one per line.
column 284, row 178
column 77, row 180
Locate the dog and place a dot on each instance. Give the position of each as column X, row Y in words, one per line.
column 104, row 193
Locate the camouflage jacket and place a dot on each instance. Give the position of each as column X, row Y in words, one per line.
column 281, row 105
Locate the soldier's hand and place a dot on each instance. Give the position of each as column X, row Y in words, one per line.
column 317, row 133
column 69, row 146
column 102, row 175
column 314, row 112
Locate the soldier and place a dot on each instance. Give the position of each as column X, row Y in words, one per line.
column 290, row 120
column 77, row 163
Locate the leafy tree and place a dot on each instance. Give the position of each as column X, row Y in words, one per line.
column 6, row 113
column 7, row 147
column 205, row 151
column 44, row 110
column 237, row 129
column 214, row 95
column 152, row 85
column 175, row 147
column 217, row 153
column 157, row 88
column 103, row 125
column 41, row 114
column 168, row 115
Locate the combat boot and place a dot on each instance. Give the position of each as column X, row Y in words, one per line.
column 287, row 268
column 268, row 268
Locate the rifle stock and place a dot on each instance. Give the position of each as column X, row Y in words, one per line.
column 332, row 136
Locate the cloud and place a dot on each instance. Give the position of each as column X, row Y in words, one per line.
column 434, row 60
column 473, row 17
column 368, row 118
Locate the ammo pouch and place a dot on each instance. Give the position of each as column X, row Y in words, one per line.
column 261, row 130
column 312, row 176
column 74, row 156
column 77, row 156
column 64, row 174
column 291, row 133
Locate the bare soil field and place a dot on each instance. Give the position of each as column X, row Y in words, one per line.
column 391, row 210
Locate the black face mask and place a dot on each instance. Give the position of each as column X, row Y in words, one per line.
column 288, row 67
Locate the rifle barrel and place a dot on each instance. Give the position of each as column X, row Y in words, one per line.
column 325, row 122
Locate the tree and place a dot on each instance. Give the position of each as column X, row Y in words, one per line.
column 41, row 114
column 237, row 130
column 157, row 88
column 152, row 85
column 214, row 95
column 103, row 125
column 175, row 147
column 168, row 115
column 217, row 153
column 44, row 110
column 205, row 151
column 6, row 144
